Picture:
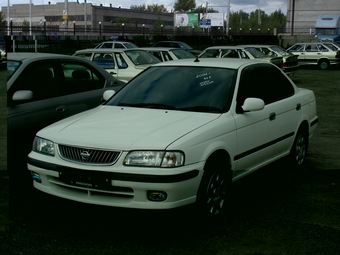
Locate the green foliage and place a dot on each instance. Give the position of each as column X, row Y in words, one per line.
column 3, row 21
column 202, row 9
column 150, row 8
column 257, row 20
column 157, row 25
column 123, row 20
column 184, row 5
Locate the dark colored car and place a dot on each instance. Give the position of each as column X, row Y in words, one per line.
column 177, row 44
column 43, row 88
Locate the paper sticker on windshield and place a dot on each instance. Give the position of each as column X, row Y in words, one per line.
column 206, row 79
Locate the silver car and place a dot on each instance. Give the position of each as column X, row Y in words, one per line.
column 319, row 54
column 123, row 64
column 116, row 45
column 43, row 88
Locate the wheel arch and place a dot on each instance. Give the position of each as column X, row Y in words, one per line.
column 217, row 157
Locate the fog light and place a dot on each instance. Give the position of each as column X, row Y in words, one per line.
column 36, row 177
column 157, row 196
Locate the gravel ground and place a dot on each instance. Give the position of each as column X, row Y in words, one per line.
column 273, row 211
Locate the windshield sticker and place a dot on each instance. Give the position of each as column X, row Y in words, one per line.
column 206, row 79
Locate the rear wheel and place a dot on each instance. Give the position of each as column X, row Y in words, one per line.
column 299, row 149
column 323, row 64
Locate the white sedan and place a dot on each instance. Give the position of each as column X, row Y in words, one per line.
column 179, row 133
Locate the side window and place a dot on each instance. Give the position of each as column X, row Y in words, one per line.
column 322, row 48
column 311, row 48
column 265, row 82
column 120, row 61
column 40, row 78
column 119, row 46
column 80, row 78
column 243, row 54
column 105, row 60
column 107, row 45
column 167, row 56
column 157, row 54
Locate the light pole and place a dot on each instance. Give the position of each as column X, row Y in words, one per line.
column 74, row 27
column 123, row 28
column 161, row 29
column 143, row 30
column 100, row 28
column 193, row 29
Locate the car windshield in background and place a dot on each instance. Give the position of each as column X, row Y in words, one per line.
column 255, row 53
column 281, row 51
column 12, row 66
column 141, row 57
column 181, row 54
column 128, row 45
column 198, row 89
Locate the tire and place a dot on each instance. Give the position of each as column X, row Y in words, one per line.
column 323, row 64
column 299, row 150
column 213, row 191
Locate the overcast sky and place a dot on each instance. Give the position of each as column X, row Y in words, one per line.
column 248, row 6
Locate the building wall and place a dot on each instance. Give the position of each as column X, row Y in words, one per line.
column 306, row 13
column 107, row 16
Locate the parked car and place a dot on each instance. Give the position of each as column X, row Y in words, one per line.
column 43, row 88
column 123, row 64
column 116, row 45
column 319, row 54
column 122, row 38
column 177, row 44
column 167, row 54
column 290, row 61
column 242, row 52
column 179, row 133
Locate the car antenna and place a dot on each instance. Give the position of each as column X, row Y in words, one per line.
column 197, row 60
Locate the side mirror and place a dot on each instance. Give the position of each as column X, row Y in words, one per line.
column 252, row 104
column 22, row 95
column 108, row 94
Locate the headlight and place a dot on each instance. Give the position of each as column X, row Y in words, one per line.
column 155, row 158
column 43, row 146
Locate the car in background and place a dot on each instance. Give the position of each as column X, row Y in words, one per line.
column 290, row 61
column 242, row 52
column 177, row 44
column 167, row 54
column 43, row 88
column 316, row 53
column 122, row 38
column 123, row 64
column 179, row 133
column 3, row 54
column 116, row 45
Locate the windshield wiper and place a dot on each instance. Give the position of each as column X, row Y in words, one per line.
column 151, row 105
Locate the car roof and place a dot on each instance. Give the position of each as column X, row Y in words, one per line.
column 108, row 50
column 160, row 48
column 21, row 56
column 229, row 47
column 115, row 42
column 213, row 62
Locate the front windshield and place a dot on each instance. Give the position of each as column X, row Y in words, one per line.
column 142, row 57
column 200, row 89
column 281, row 51
column 255, row 53
column 12, row 66
column 181, row 54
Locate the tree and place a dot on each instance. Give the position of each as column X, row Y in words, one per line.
column 3, row 21
column 201, row 9
column 184, row 5
column 150, row 8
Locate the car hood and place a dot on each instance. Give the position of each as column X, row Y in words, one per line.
column 125, row 128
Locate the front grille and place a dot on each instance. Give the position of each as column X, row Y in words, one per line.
column 88, row 156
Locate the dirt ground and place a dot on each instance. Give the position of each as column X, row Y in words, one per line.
column 273, row 211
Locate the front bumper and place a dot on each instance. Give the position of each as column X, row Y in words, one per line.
column 119, row 189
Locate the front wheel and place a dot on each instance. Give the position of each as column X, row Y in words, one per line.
column 213, row 192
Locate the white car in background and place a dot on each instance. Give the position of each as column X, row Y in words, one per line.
column 123, row 64
column 167, row 54
column 116, row 45
column 179, row 133
column 241, row 52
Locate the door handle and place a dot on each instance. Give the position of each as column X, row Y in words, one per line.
column 112, row 73
column 272, row 116
column 60, row 108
